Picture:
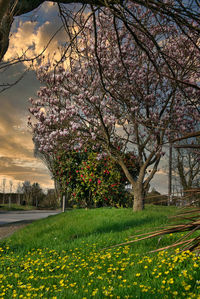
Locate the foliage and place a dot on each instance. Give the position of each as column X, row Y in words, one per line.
column 90, row 179
column 103, row 180
column 64, row 168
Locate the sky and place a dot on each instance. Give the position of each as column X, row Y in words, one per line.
column 17, row 162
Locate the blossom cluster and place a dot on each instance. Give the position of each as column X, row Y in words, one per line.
column 119, row 102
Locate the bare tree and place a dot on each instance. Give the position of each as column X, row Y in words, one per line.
column 187, row 166
column 37, row 194
column 11, row 186
column 3, row 189
column 19, row 192
column 26, row 187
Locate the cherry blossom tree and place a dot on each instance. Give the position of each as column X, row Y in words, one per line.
column 107, row 94
column 185, row 15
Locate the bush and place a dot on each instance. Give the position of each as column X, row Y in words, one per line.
column 91, row 181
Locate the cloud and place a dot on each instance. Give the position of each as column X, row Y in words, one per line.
column 19, row 171
column 16, row 147
column 31, row 38
column 14, row 137
column 43, row 30
column 17, row 161
column 21, row 40
column 49, row 7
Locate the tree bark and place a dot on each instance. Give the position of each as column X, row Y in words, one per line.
column 4, row 5
column 5, row 25
column 137, row 185
column 170, row 175
column 139, row 194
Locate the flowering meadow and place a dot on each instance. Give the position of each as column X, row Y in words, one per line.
column 82, row 265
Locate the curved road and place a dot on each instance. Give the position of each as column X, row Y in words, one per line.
column 9, row 217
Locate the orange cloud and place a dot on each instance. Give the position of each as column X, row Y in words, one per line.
column 30, row 41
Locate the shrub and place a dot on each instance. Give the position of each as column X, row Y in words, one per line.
column 89, row 180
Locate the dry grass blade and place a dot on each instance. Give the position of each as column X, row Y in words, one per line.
column 173, row 245
column 191, row 227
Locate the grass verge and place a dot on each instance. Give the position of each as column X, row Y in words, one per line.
column 15, row 207
column 64, row 256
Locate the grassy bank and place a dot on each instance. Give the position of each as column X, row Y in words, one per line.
column 63, row 256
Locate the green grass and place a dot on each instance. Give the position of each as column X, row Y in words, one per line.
column 64, row 256
column 16, row 207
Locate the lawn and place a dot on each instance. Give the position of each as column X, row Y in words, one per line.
column 68, row 256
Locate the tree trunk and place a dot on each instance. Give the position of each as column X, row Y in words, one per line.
column 170, row 175
column 5, row 24
column 139, row 194
column 137, row 185
column 9, row 201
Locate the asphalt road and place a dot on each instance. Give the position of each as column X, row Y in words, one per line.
column 20, row 216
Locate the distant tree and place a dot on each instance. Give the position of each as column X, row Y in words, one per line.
column 4, row 188
column 36, row 194
column 186, row 165
column 26, row 189
column 19, row 191
column 19, row 188
column 11, row 186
